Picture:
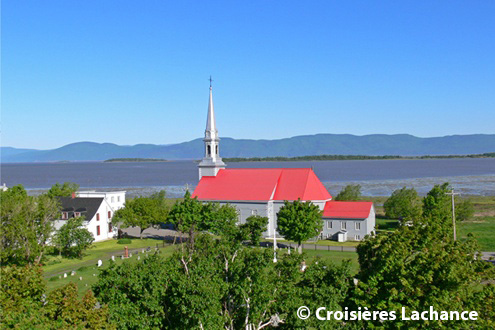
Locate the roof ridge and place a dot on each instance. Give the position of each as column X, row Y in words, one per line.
column 306, row 185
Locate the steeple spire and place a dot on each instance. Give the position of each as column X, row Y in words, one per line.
column 211, row 163
column 210, row 119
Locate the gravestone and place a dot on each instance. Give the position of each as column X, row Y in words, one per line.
column 73, row 273
column 80, row 278
column 65, row 275
column 113, row 258
column 139, row 258
column 100, row 263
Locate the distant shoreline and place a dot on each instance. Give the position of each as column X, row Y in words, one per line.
column 352, row 157
column 128, row 160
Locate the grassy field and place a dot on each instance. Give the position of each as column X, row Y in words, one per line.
column 101, row 250
column 89, row 273
column 482, row 225
column 335, row 257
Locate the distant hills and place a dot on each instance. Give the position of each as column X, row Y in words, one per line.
column 319, row 144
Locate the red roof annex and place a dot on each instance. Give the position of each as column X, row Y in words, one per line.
column 347, row 210
column 262, row 185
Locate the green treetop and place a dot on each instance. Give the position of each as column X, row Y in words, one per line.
column 299, row 221
column 63, row 190
column 351, row 192
column 403, row 203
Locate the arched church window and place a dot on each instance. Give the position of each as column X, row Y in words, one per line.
column 209, row 150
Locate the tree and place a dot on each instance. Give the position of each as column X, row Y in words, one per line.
column 134, row 292
column 220, row 287
column 437, row 204
column 25, row 304
column 191, row 215
column 298, row 221
column 351, row 192
column 142, row 212
column 464, row 210
column 403, row 203
column 21, row 293
column 255, row 226
column 420, row 266
column 72, row 238
column 26, row 225
column 63, row 190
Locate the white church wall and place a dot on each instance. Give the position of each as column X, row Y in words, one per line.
column 247, row 209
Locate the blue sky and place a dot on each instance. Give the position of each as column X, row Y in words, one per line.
column 131, row 72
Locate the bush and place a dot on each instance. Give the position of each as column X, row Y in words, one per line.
column 54, row 261
column 351, row 192
column 124, row 241
column 403, row 204
column 53, row 279
column 464, row 210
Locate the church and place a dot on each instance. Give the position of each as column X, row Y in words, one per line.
column 262, row 191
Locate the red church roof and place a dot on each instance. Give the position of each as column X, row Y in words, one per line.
column 347, row 210
column 262, row 185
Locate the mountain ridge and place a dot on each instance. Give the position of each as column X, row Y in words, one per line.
column 302, row 145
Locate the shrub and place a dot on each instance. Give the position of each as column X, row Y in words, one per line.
column 124, row 241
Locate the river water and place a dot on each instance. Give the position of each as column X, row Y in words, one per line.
column 377, row 177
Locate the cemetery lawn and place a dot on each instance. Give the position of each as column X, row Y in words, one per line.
column 101, row 250
column 89, row 272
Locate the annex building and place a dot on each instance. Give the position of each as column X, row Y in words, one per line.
column 97, row 208
column 262, row 191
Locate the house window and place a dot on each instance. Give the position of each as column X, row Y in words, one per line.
column 110, row 229
column 112, row 199
column 329, row 224
column 358, row 225
column 77, row 214
column 357, row 238
column 65, row 215
column 109, row 214
column 97, row 230
column 254, row 212
column 343, row 225
column 97, row 216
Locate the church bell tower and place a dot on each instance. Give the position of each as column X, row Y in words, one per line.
column 211, row 163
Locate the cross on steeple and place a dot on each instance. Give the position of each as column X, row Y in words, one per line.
column 211, row 80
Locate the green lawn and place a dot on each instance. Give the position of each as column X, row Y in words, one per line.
column 334, row 256
column 89, row 272
column 101, row 250
column 483, row 228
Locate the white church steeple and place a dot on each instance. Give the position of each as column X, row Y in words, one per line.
column 211, row 163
